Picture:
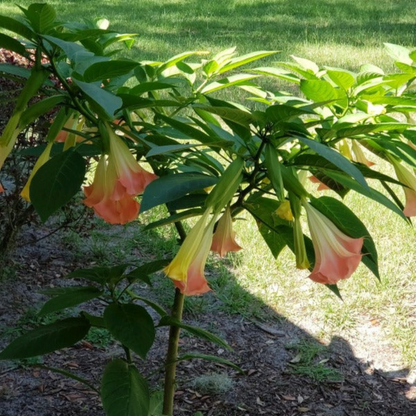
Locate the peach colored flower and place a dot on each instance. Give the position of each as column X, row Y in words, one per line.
column 359, row 154
column 336, row 255
column 187, row 268
column 117, row 181
column 223, row 240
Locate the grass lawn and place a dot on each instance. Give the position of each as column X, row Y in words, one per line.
column 330, row 32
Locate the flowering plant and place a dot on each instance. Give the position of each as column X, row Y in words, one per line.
column 157, row 133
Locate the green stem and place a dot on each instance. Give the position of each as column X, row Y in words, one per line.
column 172, row 355
column 174, row 332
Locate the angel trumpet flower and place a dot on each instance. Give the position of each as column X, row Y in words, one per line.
column 406, row 177
column 187, row 268
column 337, row 255
column 118, row 179
column 223, row 240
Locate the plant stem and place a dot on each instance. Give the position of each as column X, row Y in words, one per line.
column 172, row 355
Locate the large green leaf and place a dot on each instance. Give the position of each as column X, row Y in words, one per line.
column 72, row 50
column 124, row 391
column 318, row 90
column 236, row 115
column 56, row 182
column 100, row 275
column 101, row 99
column 14, row 45
column 41, row 107
column 106, row 70
column 282, row 112
column 171, row 187
column 341, row 77
column 199, row 332
column 239, row 79
column 72, row 296
column 47, row 338
column 131, row 325
column 17, row 27
column 14, row 70
column 398, row 53
column 145, row 270
column 351, row 225
column 245, row 59
column 278, row 73
column 366, row 191
column 336, row 158
column 41, row 16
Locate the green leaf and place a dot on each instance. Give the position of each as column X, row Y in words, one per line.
column 264, row 212
column 278, row 73
column 318, row 90
column 124, row 391
column 179, row 216
column 341, row 77
column 104, row 70
column 14, row 70
column 336, row 158
column 71, row 297
column 349, row 224
column 274, row 172
column 188, row 130
column 14, row 45
column 156, row 404
column 150, row 86
column 213, row 358
column 47, row 338
column 170, row 187
column 398, row 53
column 131, row 325
column 41, row 107
column 56, row 182
column 282, row 112
column 245, row 59
column 17, row 27
column 172, row 148
column 239, row 79
column 155, row 306
column 366, row 191
column 72, row 50
column 41, row 16
column 101, row 99
column 145, row 270
column 244, row 118
column 174, row 60
column 100, row 275
column 199, row 332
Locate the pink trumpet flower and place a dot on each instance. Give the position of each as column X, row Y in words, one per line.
column 187, row 268
column 224, row 237
column 337, row 255
column 406, row 177
column 118, row 179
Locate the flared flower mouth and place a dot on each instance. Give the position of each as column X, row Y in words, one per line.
column 337, row 255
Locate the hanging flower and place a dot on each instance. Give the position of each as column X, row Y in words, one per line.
column 187, row 268
column 130, row 174
column 117, row 181
column 336, row 255
column 359, row 154
column 43, row 158
column 224, row 237
column 408, row 179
